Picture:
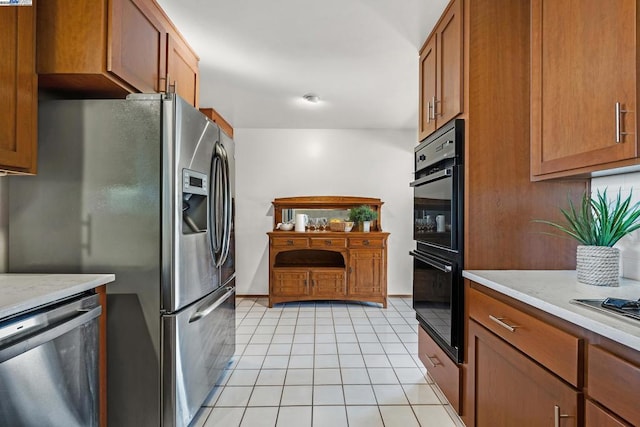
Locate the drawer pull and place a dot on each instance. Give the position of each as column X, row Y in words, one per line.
column 365, row 242
column 431, row 360
column 328, row 242
column 500, row 321
column 290, row 242
column 557, row 416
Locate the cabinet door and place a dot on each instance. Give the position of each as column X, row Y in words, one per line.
column 366, row 269
column 511, row 390
column 595, row 416
column 18, row 89
column 426, row 122
column 329, row 283
column 579, row 72
column 287, row 282
column 182, row 70
column 137, row 49
column 449, row 66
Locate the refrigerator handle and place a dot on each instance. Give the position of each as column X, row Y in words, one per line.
column 214, row 185
column 226, row 237
column 204, row 312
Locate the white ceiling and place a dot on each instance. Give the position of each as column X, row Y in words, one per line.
column 258, row 57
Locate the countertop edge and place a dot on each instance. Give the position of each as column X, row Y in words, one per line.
column 78, row 284
column 582, row 316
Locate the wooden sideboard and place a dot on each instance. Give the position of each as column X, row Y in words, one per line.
column 327, row 265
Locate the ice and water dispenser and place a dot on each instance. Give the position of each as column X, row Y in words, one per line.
column 194, row 201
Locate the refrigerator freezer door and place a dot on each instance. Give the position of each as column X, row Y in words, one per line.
column 189, row 272
column 198, row 343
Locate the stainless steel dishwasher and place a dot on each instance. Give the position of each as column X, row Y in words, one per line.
column 49, row 365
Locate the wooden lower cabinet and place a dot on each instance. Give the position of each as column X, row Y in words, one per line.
column 327, row 266
column 512, row 390
column 596, row 416
column 365, row 269
column 19, row 90
column 441, row 368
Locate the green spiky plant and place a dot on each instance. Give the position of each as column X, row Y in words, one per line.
column 597, row 221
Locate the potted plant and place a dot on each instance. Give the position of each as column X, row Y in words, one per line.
column 598, row 224
column 363, row 215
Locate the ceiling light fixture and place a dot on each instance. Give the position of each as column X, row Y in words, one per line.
column 311, row 97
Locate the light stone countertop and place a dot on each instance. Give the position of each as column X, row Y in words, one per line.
column 551, row 291
column 20, row 292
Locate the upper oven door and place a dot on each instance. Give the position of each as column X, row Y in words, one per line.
column 437, row 213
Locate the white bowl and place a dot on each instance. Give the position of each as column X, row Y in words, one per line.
column 285, row 227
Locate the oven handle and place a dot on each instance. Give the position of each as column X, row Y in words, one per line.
column 440, row 266
column 432, row 177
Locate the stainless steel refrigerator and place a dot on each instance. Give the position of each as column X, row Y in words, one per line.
column 142, row 188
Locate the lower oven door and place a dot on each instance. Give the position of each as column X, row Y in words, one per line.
column 437, row 300
column 198, row 343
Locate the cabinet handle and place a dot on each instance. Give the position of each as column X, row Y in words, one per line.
column 435, row 110
column 328, row 242
column 365, row 242
column 350, row 270
column 429, row 112
column 500, row 321
column 313, row 282
column 557, row 416
column 290, row 242
column 619, row 132
column 431, row 360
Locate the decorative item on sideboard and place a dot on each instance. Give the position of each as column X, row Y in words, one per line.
column 363, row 215
column 598, row 224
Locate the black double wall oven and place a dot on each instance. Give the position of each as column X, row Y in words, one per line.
column 438, row 219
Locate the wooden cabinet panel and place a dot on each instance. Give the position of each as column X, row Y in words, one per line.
column 182, row 70
column 317, row 242
column 511, row 390
column 441, row 368
column 18, row 90
column 290, row 282
column 137, row 50
column 329, row 283
column 532, row 336
column 596, row 416
column 441, row 77
column 224, row 125
column 293, row 242
column 579, row 73
column 366, row 242
column 611, row 380
column 366, row 271
column 427, row 124
column 449, row 68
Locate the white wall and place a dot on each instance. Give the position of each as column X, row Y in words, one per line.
column 274, row 163
column 630, row 245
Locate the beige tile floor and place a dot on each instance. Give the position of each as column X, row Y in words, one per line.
column 330, row 364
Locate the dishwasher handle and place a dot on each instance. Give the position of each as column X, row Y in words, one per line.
column 49, row 334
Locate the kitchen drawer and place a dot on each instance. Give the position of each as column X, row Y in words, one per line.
column 441, row 368
column 553, row 348
column 614, row 382
column 364, row 242
column 595, row 416
column 291, row 242
column 318, row 242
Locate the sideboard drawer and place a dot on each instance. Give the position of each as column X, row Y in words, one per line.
column 291, row 242
column 554, row 348
column 364, row 242
column 613, row 382
column 318, row 242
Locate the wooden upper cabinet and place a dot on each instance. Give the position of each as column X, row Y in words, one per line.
column 18, row 90
column 137, row 45
column 182, row 70
column 441, row 59
column 224, row 125
column 110, row 48
column 583, row 64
